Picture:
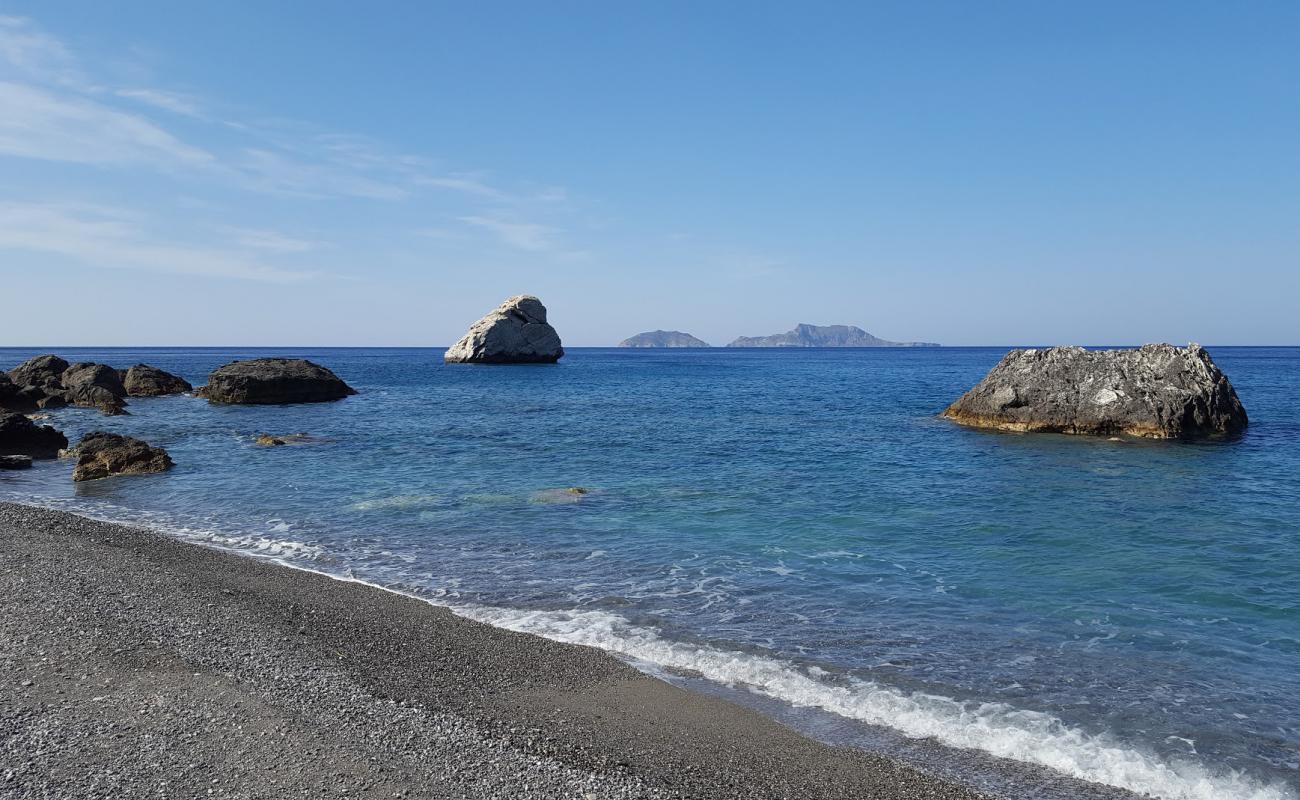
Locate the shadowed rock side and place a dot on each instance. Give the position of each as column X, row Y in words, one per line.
column 19, row 436
column 663, row 339
column 1157, row 391
column 273, row 381
column 805, row 335
column 516, row 332
column 101, row 455
column 143, row 380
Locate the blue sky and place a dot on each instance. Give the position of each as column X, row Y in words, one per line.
column 335, row 173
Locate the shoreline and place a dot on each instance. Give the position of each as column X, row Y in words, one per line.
column 547, row 715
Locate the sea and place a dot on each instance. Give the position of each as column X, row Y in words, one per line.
column 796, row 527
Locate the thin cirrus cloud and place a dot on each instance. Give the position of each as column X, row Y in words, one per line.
column 40, row 124
column 110, row 238
column 30, row 52
column 167, row 101
column 529, row 236
column 53, row 109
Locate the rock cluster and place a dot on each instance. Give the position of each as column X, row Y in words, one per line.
column 19, row 436
column 273, row 381
column 1157, row 391
column 50, row 382
column 516, row 332
column 101, row 455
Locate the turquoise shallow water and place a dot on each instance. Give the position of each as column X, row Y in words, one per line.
column 797, row 523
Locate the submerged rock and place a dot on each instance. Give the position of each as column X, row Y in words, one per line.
column 143, row 380
column 572, row 494
column 19, row 436
column 805, row 335
column 1157, row 391
column 273, row 381
column 101, row 455
column 516, row 332
column 663, row 339
column 15, row 462
column 38, row 371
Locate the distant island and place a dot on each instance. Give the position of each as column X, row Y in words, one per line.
column 805, row 335
column 663, row 339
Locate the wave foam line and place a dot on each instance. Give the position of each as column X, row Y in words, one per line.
column 995, row 728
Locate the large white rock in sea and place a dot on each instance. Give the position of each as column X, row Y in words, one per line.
column 1157, row 391
column 516, row 332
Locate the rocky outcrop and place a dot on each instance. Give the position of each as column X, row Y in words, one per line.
column 15, row 462
column 143, row 380
column 663, row 339
column 101, row 455
column 1157, row 391
column 89, row 395
column 14, row 398
column 19, row 436
column 38, row 371
column 49, row 382
column 516, row 332
column 805, row 335
column 273, row 381
column 86, row 373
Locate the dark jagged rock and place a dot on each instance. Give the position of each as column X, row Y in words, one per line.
column 516, row 332
column 273, row 381
column 86, row 373
column 15, row 462
column 805, row 335
column 663, row 339
column 15, row 398
column 38, row 371
column 19, row 436
column 89, row 395
column 143, row 380
column 101, row 455
column 1157, row 391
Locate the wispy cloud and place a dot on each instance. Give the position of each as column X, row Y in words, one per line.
column 271, row 241
column 168, row 101
column 530, row 236
column 36, row 123
column 31, row 53
column 274, row 172
column 109, row 238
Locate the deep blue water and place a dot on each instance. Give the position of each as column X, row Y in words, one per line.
column 798, row 523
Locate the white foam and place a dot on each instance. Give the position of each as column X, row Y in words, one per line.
column 995, row 728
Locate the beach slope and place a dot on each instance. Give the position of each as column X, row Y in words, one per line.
column 135, row 665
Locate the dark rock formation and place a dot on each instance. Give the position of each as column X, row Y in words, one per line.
column 19, row 436
column 1157, row 391
column 38, row 371
column 16, row 398
column 663, row 339
column 100, row 455
column 805, row 335
column 89, row 395
column 273, row 381
column 15, row 462
column 515, row 333
column 86, row 373
column 143, row 380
